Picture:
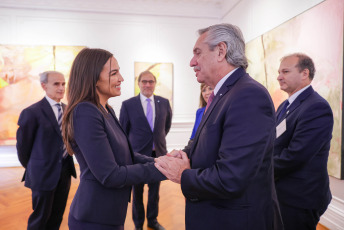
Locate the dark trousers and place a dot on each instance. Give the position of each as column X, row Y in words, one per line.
column 152, row 206
column 298, row 218
column 49, row 206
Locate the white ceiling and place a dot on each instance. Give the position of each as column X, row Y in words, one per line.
column 215, row 9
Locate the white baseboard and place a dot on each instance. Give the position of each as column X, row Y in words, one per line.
column 333, row 218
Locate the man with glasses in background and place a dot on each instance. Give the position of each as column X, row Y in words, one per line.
column 146, row 118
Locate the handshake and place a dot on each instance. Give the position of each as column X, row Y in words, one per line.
column 173, row 164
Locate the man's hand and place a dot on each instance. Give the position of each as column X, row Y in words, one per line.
column 173, row 167
column 175, row 153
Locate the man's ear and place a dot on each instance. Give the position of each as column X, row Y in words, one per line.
column 43, row 85
column 305, row 74
column 222, row 51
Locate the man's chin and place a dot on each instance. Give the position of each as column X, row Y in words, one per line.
column 200, row 80
column 147, row 94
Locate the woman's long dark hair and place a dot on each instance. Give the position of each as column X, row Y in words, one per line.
column 83, row 78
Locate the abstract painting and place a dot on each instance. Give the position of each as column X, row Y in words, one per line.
column 19, row 80
column 318, row 33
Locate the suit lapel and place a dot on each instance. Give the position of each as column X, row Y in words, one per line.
column 113, row 114
column 296, row 103
column 49, row 113
column 157, row 104
column 141, row 111
column 225, row 88
column 279, row 111
column 138, row 106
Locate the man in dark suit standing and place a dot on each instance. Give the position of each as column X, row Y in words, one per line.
column 146, row 119
column 48, row 167
column 303, row 136
column 227, row 175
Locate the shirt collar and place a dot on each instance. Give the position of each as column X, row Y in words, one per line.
column 143, row 97
column 293, row 97
column 220, row 83
column 51, row 101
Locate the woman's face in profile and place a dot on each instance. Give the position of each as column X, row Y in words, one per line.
column 206, row 91
column 110, row 79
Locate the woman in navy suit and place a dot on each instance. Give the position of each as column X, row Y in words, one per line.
column 92, row 132
column 203, row 100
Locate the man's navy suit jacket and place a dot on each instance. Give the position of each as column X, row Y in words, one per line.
column 230, row 183
column 108, row 167
column 40, row 147
column 135, row 124
column 301, row 152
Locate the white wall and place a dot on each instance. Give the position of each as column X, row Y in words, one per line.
column 130, row 38
column 256, row 17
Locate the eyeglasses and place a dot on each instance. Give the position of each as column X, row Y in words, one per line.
column 150, row 82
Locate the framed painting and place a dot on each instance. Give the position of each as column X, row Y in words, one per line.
column 318, row 33
column 164, row 77
column 19, row 80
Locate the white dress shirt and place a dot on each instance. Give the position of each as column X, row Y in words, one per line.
column 293, row 97
column 54, row 107
column 220, row 83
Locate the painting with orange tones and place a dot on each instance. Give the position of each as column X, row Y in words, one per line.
column 164, row 77
column 19, row 80
column 318, row 33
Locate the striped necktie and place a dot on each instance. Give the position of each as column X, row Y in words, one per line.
column 59, row 121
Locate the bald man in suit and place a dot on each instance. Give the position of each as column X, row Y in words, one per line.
column 304, row 133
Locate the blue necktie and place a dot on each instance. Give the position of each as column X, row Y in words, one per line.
column 149, row 113
column 59, row 121
column 284, row 109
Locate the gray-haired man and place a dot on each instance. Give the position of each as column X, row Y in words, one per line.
column 48, row 167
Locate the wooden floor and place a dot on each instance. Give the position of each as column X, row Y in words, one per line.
column 15, row 203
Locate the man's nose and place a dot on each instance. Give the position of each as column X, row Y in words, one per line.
column 193, row 62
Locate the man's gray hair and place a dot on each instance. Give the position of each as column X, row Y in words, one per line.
column 43, row 77
column 232, row 36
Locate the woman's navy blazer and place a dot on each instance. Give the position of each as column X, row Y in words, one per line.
column 107, row 165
